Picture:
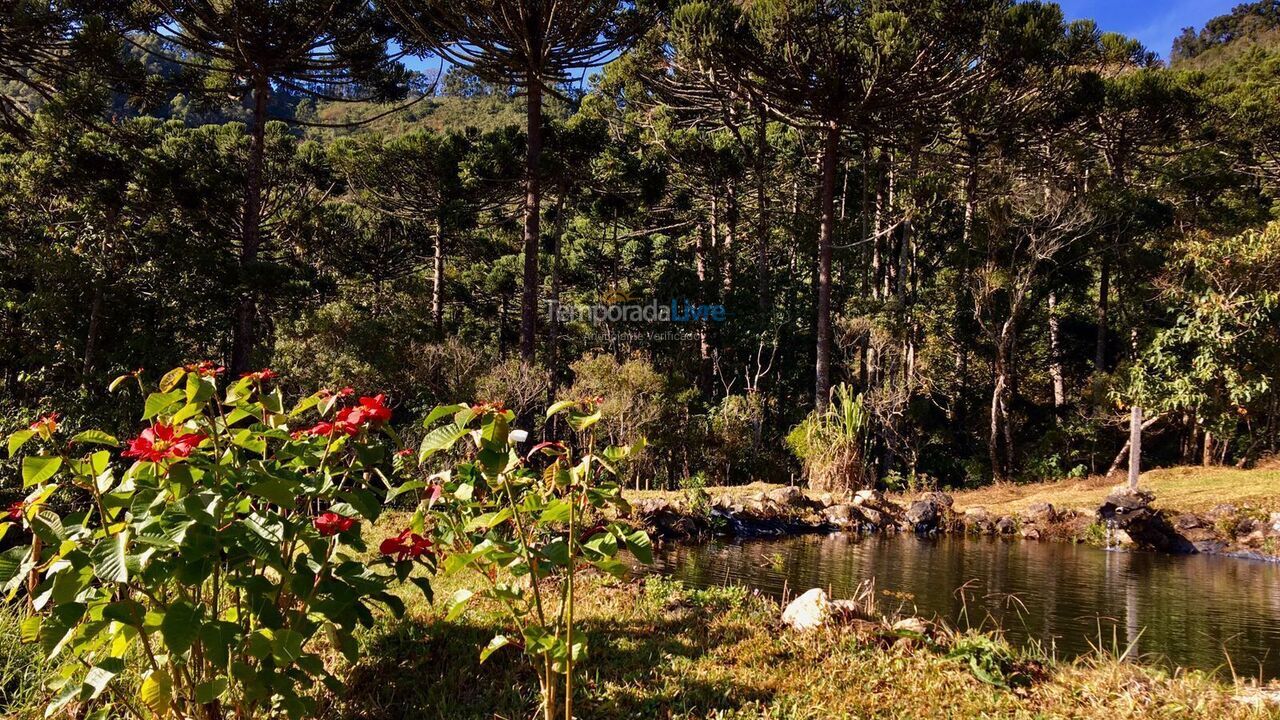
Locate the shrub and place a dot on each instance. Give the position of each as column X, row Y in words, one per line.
column 832, row 442
column 225, row 558
column 524, row 532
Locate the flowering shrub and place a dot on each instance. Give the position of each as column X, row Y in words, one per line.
column 225, row 558
column 525, row 523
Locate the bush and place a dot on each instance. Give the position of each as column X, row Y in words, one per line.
column 226, row 558
column 832, row 442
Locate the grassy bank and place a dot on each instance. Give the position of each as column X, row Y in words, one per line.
column 1186, row 489
column 660, row 650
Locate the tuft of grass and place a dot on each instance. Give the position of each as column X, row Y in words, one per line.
column 22, row 668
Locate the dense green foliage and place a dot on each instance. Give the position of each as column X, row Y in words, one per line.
column 994, row 225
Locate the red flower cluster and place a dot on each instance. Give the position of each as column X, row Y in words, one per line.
column 261, row 375
column 205, row 368
column 162, row 442
column 348, row 421
column 331, row 523
column 14, row 511
column 344, row 392
column 407, row 544
column 47, row 424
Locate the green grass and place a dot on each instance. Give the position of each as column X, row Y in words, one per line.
column 662, row 650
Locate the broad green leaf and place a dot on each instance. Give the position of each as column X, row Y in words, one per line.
column 286, row 645
column 95, row 437
column 18, row 439
column 641, row 546
column 207, row 692
column 442, row 438
column 560, row 407
column 157, row 692
column 98, row 677
column 38, row 468
column 498, row 642
column 280, row 492
column 457, row 604
column 48, row 526
column 556, row 511
column 439, row 412
column 180, row 626
column 171, row 378
column 581, row 422
column 159, row 402
column 108, row 557
column 251, row 441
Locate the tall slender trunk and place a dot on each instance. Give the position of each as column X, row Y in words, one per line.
column 822, row 364
column 731, row 216
column 1055, row 356
column 532, row 220
column 1135, row 446
column 437, row 278
column 702, row 262
column 553, row 321
column 94, row 332
column 243, row 335
column 762, row 214
column 998, row 408
column 1104, row 292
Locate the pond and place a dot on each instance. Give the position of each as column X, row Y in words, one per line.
column 1192, row 611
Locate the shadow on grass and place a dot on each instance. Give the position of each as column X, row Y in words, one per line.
column 432, row 669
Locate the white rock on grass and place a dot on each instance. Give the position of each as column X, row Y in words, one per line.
column 810, row 610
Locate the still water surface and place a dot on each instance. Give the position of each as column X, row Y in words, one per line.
column 1186, row 611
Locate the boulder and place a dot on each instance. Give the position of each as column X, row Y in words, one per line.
column 873, row 498
column 1040, row 513
column 1123, row 499
column 843, row 516
column 927, row 514
column 1030, row 533
column 1006, row 525
column 809, row 611
column 874, row 519
column 1190, row 521
column 1222, row 511
column 789, row 496
column 912, row 625
column 1275, row 522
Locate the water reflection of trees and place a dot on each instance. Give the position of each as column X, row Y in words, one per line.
column 1068, row 597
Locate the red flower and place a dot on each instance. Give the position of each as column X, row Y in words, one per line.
column 162, row 442
column 331, row 523
column 261, row 375
column 14, row 511
column 325, row 429
column 205, row 368
column 407, row 544
column 47, row 424
column 404, row 453
column 344, row 392
column 370, row 410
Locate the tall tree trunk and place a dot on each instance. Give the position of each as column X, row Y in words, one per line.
column 437, row 279
column 822, row 364
column 762, row 214
column 1104, row 292
column 1055, row 356
column 731, row 216
column 243, row 335
column 94, row 332
column 1135, row 445
column 702, row 262
column 532, row 220
column 999, row 410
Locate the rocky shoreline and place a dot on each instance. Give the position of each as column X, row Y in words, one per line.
column 1126, row 519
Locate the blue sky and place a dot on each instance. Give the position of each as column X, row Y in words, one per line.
column 1155, row 22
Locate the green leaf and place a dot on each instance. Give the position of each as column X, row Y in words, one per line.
column 38, row 468
column 99, row 675
column 560, row 407
column 171, row 378
column 95, row 437
column 556, row 511
column 457, row 604
column 207, row 692
column 108, row 558
column 159, row 402
column 29, row 629
column 280, row 492
column 48, row 526
column 18, row 439
column 180, row 625
column 286, row 645
column 157, row 692
column 498, row 642
column 439, row 412
column 581, row 422
column 442, row 438
column 641, row 546
column 250, row 441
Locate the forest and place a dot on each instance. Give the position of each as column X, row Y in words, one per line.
column 983, row 231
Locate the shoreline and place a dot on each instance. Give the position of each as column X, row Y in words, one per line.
column 1122, row 519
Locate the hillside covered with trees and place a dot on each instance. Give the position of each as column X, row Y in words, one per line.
column 986, row 230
